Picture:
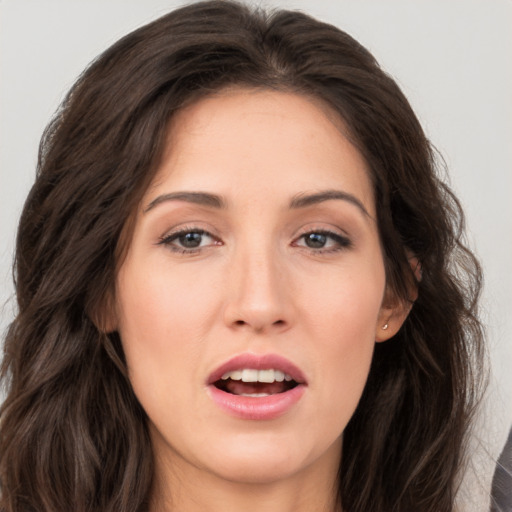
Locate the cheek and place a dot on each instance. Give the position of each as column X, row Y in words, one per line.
column 162, row 322
column 345, row 342
column 345, row 302
column 343, row 316
column 158, row 309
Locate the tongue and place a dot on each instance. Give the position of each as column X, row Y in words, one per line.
column 238, row 387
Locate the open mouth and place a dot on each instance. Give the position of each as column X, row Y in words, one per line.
column 257, row 387
column 255, row 383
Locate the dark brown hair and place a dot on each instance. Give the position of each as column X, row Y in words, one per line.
column 73, row 436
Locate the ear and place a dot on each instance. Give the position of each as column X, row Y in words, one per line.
column 394, row 310
column 391, row 318
column 103, row 314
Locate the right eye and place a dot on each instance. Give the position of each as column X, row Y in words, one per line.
column 188, row 240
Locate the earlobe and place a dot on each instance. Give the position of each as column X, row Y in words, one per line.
column 390, row 321
column 394, row 310
column 386, row 328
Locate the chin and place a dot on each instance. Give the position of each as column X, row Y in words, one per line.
column 249, row 471
column 266, row 461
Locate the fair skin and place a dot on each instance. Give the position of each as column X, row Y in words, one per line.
column 256, row 238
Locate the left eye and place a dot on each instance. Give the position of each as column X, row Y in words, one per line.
column 188, row 240
column 322, row 240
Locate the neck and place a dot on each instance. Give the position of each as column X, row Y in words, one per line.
column 180, row 487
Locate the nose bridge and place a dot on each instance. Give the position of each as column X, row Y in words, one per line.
column 258, row 297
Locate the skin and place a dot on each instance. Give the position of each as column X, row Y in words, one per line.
column 253, row 285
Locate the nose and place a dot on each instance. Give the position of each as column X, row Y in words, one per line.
column 259, row 294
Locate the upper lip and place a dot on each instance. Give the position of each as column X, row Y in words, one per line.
column 258, row 362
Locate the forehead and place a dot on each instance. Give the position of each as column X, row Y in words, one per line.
column 263, row 141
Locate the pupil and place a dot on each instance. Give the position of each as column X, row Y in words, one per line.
column 316, row 240
column 190, row 240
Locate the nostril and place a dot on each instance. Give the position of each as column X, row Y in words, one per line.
column 256, row 321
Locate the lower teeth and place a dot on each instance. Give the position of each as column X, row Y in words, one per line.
column 255, row 395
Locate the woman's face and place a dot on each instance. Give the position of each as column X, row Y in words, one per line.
column 255, row 259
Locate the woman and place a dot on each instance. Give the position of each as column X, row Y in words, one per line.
column 231, row 208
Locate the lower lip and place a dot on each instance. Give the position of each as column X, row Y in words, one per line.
column 256, row 408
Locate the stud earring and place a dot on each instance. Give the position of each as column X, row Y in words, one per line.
column 384, row 327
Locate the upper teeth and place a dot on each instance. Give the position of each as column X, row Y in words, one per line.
column 250, row 375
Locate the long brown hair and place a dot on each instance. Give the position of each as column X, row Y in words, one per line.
column 73, row 436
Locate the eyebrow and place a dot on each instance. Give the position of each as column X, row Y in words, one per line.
column 297, row 202
column 305, row 200
column 201, row 198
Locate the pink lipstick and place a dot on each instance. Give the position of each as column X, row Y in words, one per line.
column 256, row 387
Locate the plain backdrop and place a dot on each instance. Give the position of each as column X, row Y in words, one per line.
column 453, row 60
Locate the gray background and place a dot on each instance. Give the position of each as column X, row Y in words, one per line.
column 452, row 59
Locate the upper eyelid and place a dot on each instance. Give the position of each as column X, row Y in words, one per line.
column 171, row 241
column 216, row 234
column 332, row 234
column 323, row 228
column 177, row 233
column 340, row 238
column 323, row 232
column 187, row 228
column 169, row 237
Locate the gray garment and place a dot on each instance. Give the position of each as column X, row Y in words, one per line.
column 501, row 494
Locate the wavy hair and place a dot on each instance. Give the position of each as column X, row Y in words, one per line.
column 72, row 434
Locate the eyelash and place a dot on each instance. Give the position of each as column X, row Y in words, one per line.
column 168, row 240
column 340, row 242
